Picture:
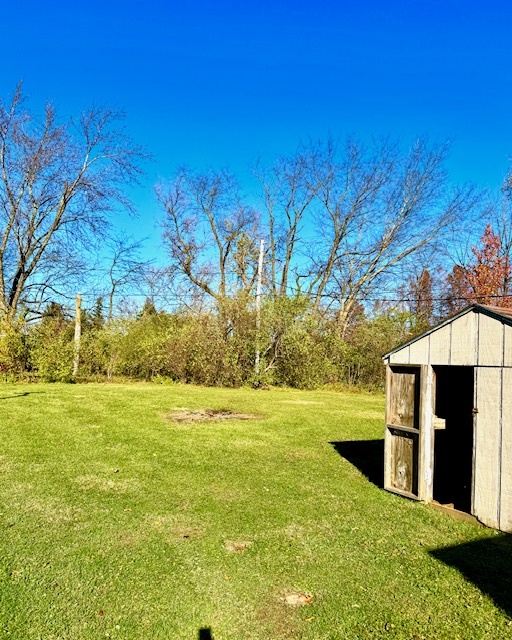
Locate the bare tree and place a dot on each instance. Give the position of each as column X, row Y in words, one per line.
column 346, row 185
column 209, row 233
column 58, row 184
column 397, row 204
column 507, row 185
column 501, row 217
column 364, row 211
column 125, row 268
column 287, row 194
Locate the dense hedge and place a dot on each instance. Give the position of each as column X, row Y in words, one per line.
column 298, row 347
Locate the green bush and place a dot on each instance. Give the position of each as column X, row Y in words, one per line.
column 358, row 360
column 13, row 349
column 298, row 346
column 139, row 349
column 52, row 349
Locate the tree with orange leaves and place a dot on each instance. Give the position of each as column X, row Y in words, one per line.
column 457, row 294
column 485, row 280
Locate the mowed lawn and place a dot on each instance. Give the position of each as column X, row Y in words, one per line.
column 116, row 521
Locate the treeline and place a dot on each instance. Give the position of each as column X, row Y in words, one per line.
column 283, row 341
column 298, row 347
column 343, row 250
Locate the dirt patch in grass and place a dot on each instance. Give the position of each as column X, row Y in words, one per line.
column 277, row 620
column 298, row 598
column 207, row 415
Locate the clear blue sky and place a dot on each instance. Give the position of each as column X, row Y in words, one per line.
column 221, row 83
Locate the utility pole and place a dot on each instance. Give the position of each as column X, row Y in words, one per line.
column 258, row 308
column 78, row 332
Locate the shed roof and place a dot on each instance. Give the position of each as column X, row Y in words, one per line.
column 498, row 313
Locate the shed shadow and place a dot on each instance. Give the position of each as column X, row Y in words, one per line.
column 205, row 634
column 485, row 563
column 366, row 455
column 21, row 395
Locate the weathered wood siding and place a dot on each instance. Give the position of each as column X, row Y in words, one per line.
column 402, row 394
column 404, row 456
column 490, row 342
column 419, row 351
column 487, row 446
column 468, row 341
column 476, row 340
column 402, row 431
column 464, row 341
column 506, row 453
column 426, row 435
column 507, row 345
column 440, row 345
column 400, row 357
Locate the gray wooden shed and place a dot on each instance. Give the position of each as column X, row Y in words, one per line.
column 449, row 415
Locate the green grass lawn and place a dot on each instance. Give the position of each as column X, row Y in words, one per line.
column 118, row 522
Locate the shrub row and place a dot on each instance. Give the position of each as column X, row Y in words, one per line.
column 297, row 347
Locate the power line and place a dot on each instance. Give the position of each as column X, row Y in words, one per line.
column 331, row 296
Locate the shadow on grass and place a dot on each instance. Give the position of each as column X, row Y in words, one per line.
column 485, row 563
column 21, row 395
column 366, row 455
column 205, row 634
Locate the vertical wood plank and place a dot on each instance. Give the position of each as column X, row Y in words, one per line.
column 440, row 345
column 487, row 445
column 400, row 357
column 402, row 399
column 463, row 340
column 490, row 341
column 507, row 347
column 387, row 435
column 418, row 351
column 403, row 463
column 506, row 453
column 426, row 438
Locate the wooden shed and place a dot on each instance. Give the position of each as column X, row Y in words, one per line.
column 449, row 415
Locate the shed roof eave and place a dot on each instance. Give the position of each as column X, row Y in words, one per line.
column 503, row 315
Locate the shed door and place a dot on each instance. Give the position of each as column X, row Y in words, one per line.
column 453, row 435
column 402, row 430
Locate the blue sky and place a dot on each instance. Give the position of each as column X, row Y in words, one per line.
column 222, row 83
